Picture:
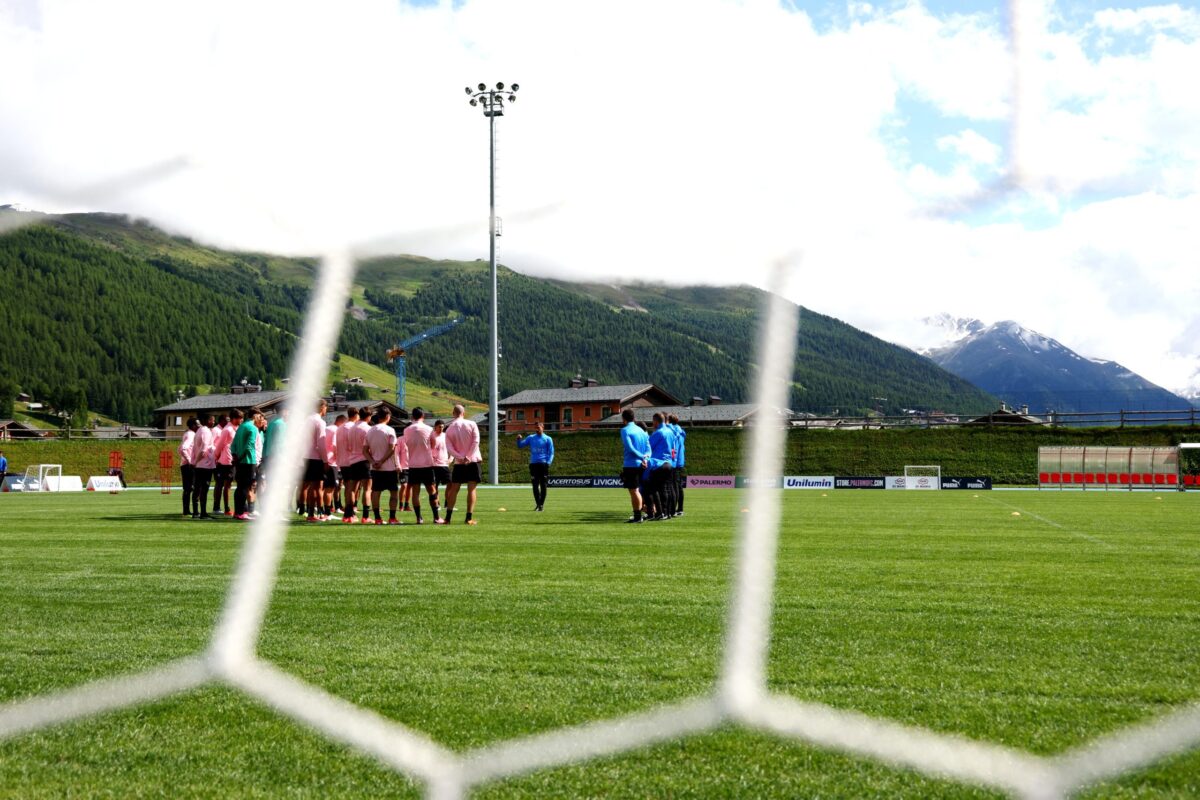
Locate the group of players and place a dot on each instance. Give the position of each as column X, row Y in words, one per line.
column 348, row 464
column 353, row 462
column 652, row 467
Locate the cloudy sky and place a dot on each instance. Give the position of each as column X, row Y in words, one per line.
column 1039, row 162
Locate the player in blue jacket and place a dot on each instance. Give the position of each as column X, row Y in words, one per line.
column 636, row 454
column 660, row 470
column 541, row 456
column 680, row 461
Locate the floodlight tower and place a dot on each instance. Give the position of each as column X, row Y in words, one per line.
column 493, row 101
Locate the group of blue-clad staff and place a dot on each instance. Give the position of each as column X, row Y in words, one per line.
column 652, row 469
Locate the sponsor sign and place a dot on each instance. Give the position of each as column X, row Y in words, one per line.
column 745, row 482
column 104, row 483
column 925, row 482
column 859, row 482
column 808, row 482
column 573, row 483
column 586, row 482
column 710, row 482
column 984, row 482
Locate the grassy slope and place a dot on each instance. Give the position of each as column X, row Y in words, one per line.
column 938, row 609
column 416, row 394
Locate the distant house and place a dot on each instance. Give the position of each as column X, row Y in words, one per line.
column 1007, row 416
column 399, row 415
column 172, row 419
column 12, row 429
column 712, row 413
column 123, row 432
column 581, row 405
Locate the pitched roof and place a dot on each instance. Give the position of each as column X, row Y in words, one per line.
column 730, row 413
column 582, row 394
column 206, row 402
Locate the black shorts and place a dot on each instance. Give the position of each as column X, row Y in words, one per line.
column 539, row 470
column 467, row 473
column 402, row 477
column 631, row 477
column 420, row 476
column 441, row 475
column 383, row 480
column 314, row 470
column 224, row 473
column 330, row 478
column 358, row 471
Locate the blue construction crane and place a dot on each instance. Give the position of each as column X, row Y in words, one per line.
column 396, row 354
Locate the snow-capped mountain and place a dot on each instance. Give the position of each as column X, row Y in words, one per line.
column 1023, row 367
column 944, row 329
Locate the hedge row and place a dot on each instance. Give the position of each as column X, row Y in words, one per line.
column 1008, row 455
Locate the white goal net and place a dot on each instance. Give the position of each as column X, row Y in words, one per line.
column 741, row 696
column 922, row 476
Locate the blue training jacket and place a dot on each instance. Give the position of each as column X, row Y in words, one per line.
column 662, row 442
column 636, row 444
column 541, row 448
column 680, row 441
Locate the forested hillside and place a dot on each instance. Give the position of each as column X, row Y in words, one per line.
column 86, row 327
column 109, row 314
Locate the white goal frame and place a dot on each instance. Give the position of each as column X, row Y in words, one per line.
column 913, row 472
column 39, row 473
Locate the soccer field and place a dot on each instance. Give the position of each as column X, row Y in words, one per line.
column 1074, row 616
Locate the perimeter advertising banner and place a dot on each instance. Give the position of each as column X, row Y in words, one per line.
column 808, row 482
column 744, row 482
column 588, row 482
column 925, row 482
column 710, row 482
column 984, row 482
column 859, row 482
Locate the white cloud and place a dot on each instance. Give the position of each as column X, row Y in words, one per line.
column 686, row 140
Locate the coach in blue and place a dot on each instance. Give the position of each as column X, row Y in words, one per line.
column 541, row 456
column 636, row 446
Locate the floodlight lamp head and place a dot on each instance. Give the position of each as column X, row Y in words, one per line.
column 468, row 90
column 512, row 98
column 515, row 86
column 474, row 102
column 500, row 87
column 483, row 87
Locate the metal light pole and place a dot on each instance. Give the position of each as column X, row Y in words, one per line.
column 493, row 101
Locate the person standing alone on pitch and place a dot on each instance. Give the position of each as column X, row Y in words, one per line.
column 3, row 469
column 418, row 438
column 541, row 456
column 635, row 445
column 187, row 468
column 462, row 439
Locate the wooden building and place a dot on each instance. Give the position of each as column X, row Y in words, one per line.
column 581, row 405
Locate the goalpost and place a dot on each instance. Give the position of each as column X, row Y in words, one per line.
column 922, row 476
column 37, row 477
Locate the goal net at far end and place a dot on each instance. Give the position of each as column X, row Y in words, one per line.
column 922, row 476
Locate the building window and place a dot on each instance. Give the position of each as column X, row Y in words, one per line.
column 179, row 420
column 587, row 411
column 537, row 413
column 567, row 415
column 519, row 414
column 605, row 412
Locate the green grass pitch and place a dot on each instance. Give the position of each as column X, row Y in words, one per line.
column 942, row 609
